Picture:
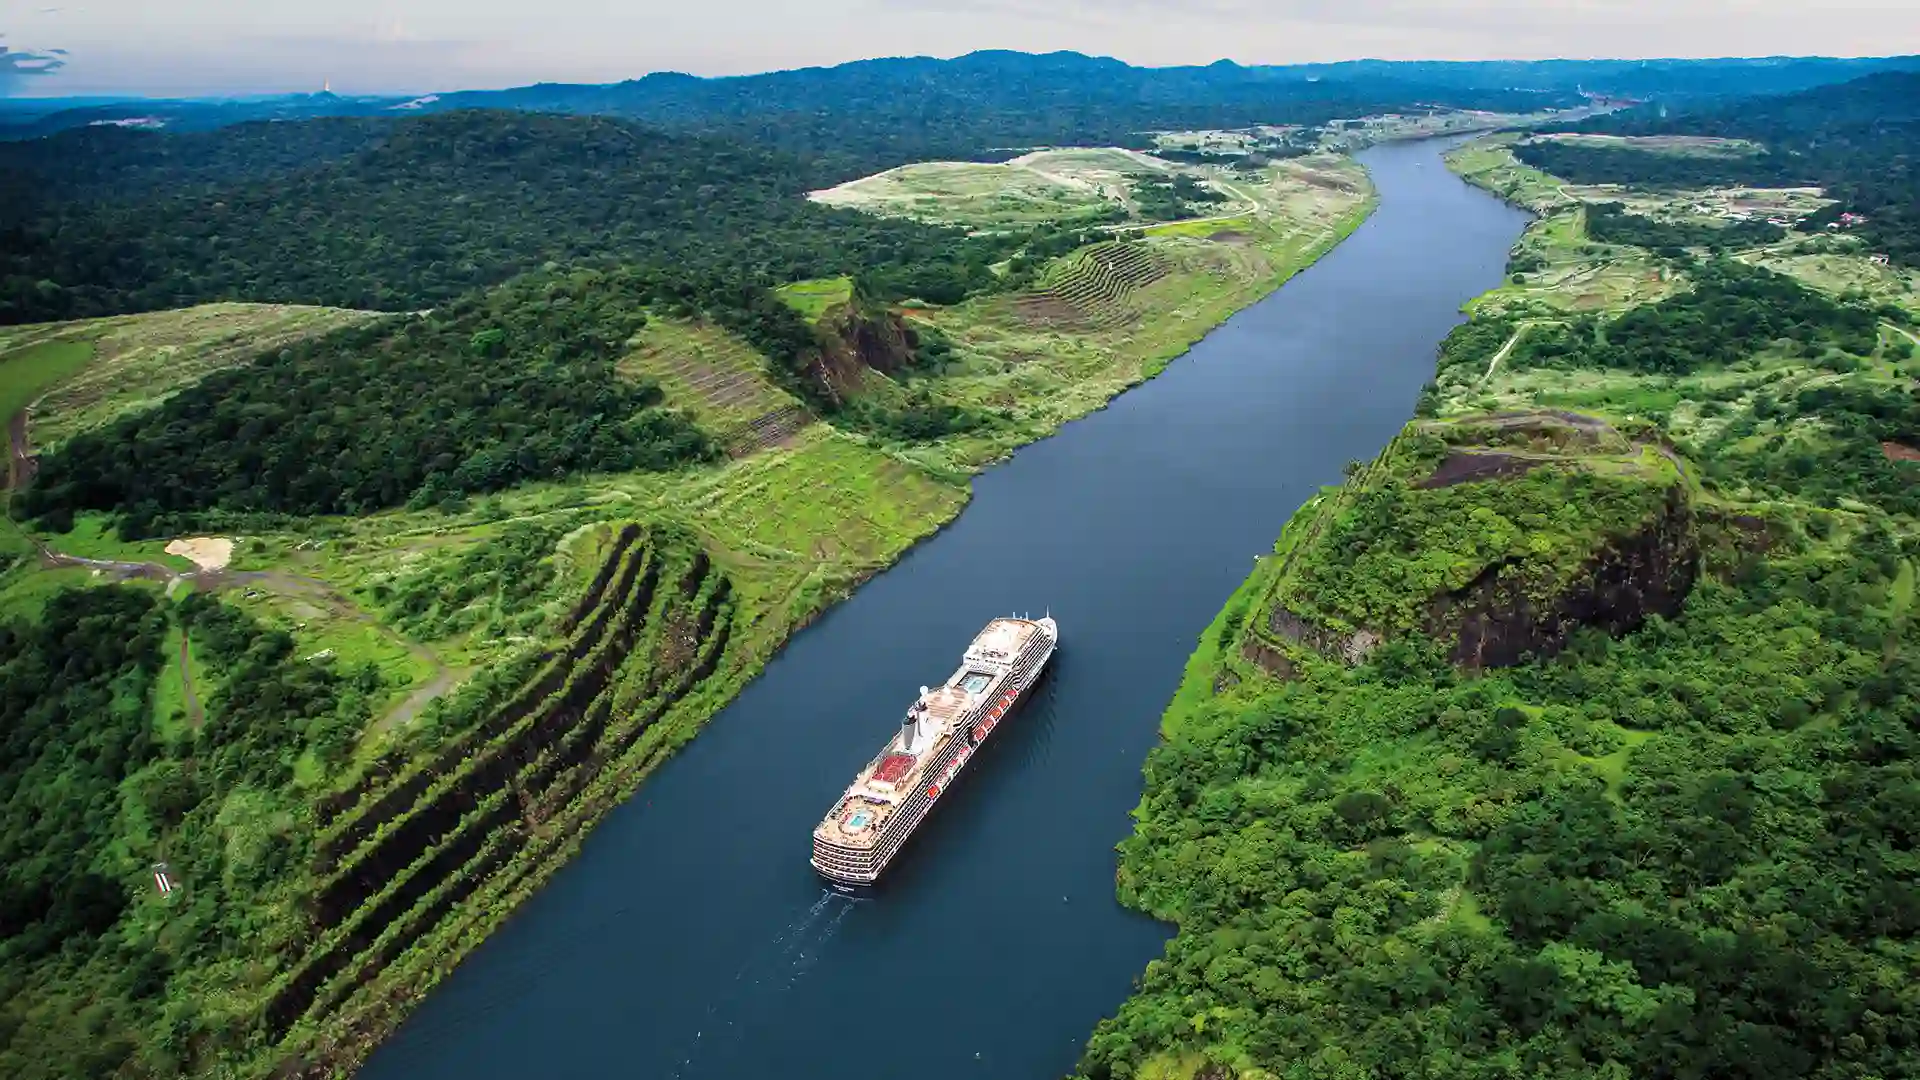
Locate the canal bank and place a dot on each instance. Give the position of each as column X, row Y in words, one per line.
column 691, row 939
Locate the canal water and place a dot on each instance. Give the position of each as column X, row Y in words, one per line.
column 690, row 940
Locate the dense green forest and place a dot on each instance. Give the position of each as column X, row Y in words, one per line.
column 429, row 209
column 512, row 385
column 92, row 975
column 1856, row 139
column 1402, row 871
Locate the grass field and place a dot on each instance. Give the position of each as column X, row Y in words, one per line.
column 813, row 298
column 1845, row 270
column 1113, row 314
column 137, row 360
column 93, row 538
column 1581, row 275
column 1567, row 270
column 26, row 373
column 1490, row 164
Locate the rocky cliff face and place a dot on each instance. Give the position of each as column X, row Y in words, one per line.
column 856, row 338
column 1503, row 617
column 1497, row 620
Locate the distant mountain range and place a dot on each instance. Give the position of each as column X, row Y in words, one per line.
column 951, row 105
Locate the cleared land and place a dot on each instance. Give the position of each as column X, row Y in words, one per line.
column 1567, row 270
column 1678, row 145
column 812, row 299
column 1041, row 187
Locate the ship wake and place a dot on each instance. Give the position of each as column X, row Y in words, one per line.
column 777, row 968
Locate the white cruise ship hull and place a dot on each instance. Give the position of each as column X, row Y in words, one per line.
column 855, row 864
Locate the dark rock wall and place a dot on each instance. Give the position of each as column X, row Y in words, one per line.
column 1494, row 622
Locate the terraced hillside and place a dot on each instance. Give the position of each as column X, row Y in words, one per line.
column 409, row 858
column 719, row 378
column 1093, row 286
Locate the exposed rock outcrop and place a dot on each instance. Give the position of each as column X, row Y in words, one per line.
column 856, row 338
column 1498, row 620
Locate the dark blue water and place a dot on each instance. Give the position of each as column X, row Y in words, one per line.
column 692, row 940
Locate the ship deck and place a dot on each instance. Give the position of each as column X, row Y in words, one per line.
column 893, row 774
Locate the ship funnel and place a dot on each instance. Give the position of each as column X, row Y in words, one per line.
column 906, row 735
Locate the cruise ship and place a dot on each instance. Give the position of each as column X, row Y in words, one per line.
column 940, row 733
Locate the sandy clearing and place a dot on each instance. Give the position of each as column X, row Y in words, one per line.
column 206, row 552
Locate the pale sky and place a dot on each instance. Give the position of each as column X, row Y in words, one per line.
column 165, row 47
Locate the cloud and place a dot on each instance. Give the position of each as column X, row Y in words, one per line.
column 20, row 64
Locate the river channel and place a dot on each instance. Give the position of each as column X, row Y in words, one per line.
column 690, row 940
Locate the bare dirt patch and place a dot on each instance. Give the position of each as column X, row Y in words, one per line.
column 1899, row 452
column 1267, row 658
column 1047, row 311
column 206, row 552
column 1229, row 236
column 1462, row 467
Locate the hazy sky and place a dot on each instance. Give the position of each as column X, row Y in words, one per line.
column 209, row 46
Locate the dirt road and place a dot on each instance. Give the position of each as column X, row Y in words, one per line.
column 21, row 464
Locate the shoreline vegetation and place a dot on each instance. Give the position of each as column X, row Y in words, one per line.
column 489, row 672
column 1522, row 751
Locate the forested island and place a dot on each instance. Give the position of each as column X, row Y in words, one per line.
column 389, row 493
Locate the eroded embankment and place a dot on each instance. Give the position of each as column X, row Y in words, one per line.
column 411, row 860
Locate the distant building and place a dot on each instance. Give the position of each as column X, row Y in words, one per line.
column 1878, row 260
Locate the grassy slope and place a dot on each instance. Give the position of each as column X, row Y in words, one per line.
column 794, row 528
column 812, row 298
column 711, row 373
column 1183, row 866
column 140, row 359
column 27, row 372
